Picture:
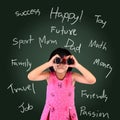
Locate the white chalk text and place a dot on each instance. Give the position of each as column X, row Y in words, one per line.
column 72, row 18
column 93, row 114
column 100, row 63
column 17, row 63
column 88, row 95
column 29, row 87
column 24, row 108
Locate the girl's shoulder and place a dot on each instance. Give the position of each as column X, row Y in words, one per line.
column 49, row 74
column 46, row 75
column 75, row 74
column 71, row 74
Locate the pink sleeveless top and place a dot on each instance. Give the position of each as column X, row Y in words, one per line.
column 59, row 99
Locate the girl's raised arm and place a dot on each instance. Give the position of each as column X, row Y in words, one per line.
column 40, row 72
column 85, row 77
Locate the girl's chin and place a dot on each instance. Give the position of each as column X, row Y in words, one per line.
column 60, row 71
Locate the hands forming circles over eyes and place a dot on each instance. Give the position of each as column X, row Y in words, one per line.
column 64, row 60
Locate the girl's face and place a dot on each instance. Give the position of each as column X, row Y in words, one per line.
column 60, row 68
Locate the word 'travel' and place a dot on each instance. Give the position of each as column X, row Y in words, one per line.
column 29, row 87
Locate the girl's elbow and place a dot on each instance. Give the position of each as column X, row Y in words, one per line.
column 93, row 81
column 29, row 77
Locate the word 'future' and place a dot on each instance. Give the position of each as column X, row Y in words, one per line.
column 69, row 17
column 63, row 31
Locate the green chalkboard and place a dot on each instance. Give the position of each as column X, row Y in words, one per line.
column 31, row 31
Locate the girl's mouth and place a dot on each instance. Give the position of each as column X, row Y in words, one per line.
column 61, row 66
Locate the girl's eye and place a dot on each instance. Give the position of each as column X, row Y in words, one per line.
column 57, row 60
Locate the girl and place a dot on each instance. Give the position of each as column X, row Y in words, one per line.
column 61, row 81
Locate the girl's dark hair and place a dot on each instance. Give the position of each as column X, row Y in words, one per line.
column 61, row 52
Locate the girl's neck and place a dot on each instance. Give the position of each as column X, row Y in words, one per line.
column 60, row 76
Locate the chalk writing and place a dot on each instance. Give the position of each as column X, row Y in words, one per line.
column 69, row 17
column 44, row 40
column 84, row 93
column 65, row 17
column 71, row 45
column 95, row 44
column 29, row 87
column 100, row 21
column 26, row 64
column 24, row 109
column 63, row 31
column 27, row 12
column 100, row 63
column 20, row 42
column 93, row 114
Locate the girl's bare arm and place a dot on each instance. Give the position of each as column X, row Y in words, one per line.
column 40, row 72
column 85, row 76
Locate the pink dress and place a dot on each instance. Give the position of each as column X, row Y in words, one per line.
column 59, row 99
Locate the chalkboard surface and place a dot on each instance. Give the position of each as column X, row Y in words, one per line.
column 31, row 31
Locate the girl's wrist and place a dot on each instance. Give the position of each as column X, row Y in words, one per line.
column 49, row 64
column 77, row 65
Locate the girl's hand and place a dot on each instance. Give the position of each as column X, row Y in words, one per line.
column 75, row 61
column 51, row 61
